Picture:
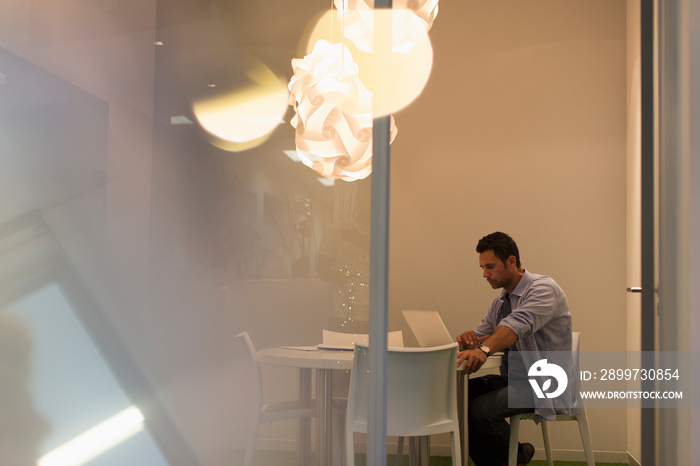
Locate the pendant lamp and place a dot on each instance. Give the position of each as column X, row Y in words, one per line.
column 412, row 19
column 333, row 113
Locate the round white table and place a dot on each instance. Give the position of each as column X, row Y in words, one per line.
column 311, row 359
column 324, row 362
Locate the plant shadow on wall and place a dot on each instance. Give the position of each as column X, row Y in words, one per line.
column 295, row 242
column 344, row 253
column 280, row 245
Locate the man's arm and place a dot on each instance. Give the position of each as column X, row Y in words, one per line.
column 501, row 339
column 537, row 307
column 472, row 338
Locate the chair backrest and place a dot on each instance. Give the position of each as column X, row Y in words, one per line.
column 576, row 349
column 421, row 390
column 251, row 354
column 395, row 339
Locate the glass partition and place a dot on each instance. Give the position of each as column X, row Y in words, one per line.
column 154, row 206
column 167, row 183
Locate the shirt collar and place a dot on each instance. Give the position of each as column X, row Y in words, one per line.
column 522, row 284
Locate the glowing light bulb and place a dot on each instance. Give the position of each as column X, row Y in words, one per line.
column 396, row 74
column 245, row 117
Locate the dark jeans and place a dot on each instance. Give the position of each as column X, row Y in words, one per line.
column 489, row 432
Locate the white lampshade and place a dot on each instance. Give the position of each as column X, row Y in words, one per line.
column 333, row 117
column 395, row 74
column 412, row 20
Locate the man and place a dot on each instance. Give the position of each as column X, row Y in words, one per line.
column 530, row 314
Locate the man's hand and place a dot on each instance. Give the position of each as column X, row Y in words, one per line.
column 469, row 340
column 475, row 358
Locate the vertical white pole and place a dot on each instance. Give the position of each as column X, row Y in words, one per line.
column 679, row 214
column 379, row 269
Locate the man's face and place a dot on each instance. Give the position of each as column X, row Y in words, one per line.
column 496, row 272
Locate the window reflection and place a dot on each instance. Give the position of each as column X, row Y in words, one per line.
column 70, row 387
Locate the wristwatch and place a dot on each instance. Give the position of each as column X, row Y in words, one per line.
column 485, row 349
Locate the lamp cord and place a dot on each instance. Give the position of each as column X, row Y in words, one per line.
column 342, row 32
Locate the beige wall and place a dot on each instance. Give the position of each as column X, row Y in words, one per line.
column 522, row 128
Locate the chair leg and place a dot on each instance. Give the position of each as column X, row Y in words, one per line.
column 547, row 444
column 338, row 429
column 585, row 436
column 425, row 450
column 252, row 440
column 456, row 450
column 513, row 444
column 399, row 451
column 349, row 447
column 413, row 451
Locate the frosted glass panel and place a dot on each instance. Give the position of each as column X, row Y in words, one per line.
column 168, row 231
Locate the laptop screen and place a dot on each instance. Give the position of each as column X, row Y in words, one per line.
column 428, row 328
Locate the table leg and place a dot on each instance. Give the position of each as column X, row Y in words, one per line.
column 418, row 451
column 304, row 434
column 425, row 450
column 324, row 399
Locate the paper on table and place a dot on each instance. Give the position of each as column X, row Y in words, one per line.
column 301, row 348
column 335, row 346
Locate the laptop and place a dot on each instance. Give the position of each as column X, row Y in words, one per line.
column 428, row 328
column 346, row 341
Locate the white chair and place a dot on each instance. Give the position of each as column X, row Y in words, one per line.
column 332, row 338
column 580, row 418
column 421, row 395
column 271, row 412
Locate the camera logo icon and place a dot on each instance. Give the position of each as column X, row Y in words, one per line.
column 544, row 369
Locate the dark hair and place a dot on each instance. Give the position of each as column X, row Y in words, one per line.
column 502, row 245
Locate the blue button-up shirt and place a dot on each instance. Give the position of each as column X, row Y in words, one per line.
column 540, row 319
